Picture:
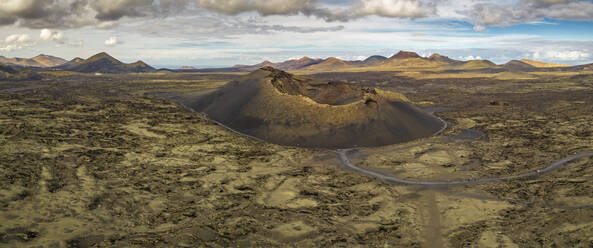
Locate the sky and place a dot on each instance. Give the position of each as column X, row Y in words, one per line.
column 218, row 33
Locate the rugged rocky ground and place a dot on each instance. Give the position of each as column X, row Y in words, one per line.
column 286, row 109
column 91, row 161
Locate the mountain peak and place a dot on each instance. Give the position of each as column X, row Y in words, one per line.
column 516, row 64
column 187, row 67
column 542, row 64
column 104, row 63
column 405, row 55
column 375, row 57
column 441, row 58
column 332, row 59
column 139, row 62
column 48, row 61
column 103, row 56
column 139, row 66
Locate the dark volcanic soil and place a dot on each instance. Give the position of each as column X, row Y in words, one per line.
column 91, row 161
column 285, row 109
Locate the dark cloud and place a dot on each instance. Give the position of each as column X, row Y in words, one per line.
column 356, row 9
column 109, row 10
column 78, row 13
column 23, row 8
column 492, row 14
column 63, row 14
column 263, row 7
column 218, row 27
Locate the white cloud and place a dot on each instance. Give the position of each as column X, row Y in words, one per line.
column 392, row 8
column 17, row 42
column 50, row 35
column 77, row 43
column 479, row 28
column 107, row 25
column 18, row 38
column 112, row 41
column 45, row 34
column 470, row 57
column 562, row 55
column 8, row 48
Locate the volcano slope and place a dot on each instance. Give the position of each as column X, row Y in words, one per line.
column 291, row 110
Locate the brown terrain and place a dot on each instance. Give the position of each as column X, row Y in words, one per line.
column 104, row 63
column 405, row 60
column 542, row 64
column 108, row 161
column 285, row 109
column 37, row 61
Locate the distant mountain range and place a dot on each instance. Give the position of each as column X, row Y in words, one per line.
column 542, row 64
column 104, row 63
column 402, row 59
column 99, row 63
column 42, row 61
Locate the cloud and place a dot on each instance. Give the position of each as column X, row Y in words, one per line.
column 50, row 35
column 113, row 41
column 470, row 57
column 550, row 2
column 16, row 42
column 18, row 38
column 263, row 7
column 106, row 14
column 200, row 28
column 77, row 43
column 562, row 55
column 392, row 8
column 22, row 8
column 357, row 9
column 43, row 13
column 115, row 9
column 487, row 14
column 107, row 24
column 577, row 11
column 62, row 14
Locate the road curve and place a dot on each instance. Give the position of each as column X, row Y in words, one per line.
column 554, row 166
column 346, row 163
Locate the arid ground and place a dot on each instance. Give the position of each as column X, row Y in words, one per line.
column 108, row 161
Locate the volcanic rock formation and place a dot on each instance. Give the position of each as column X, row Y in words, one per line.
column 104, row 63
column 42, row 61
column 291, row 110
column 540, row 64
column 17, row 73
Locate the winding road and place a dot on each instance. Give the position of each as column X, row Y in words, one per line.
column 342, row 154
column 345, row 161
column 556, row 165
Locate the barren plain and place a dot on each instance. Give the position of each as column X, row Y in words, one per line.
column 108, row 161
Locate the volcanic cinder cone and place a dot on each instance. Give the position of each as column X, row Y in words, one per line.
column 291, row 110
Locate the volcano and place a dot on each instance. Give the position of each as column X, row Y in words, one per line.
column 104, row 63
column 286, row 109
